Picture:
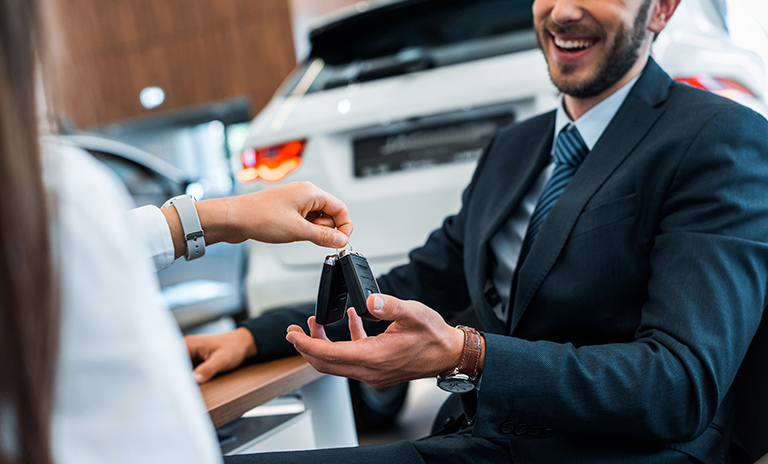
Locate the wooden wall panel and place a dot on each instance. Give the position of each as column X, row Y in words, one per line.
column 198, row 51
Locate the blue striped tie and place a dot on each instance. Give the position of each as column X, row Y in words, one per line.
column 570, row 151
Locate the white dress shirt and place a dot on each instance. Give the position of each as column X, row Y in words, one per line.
column 508, row 241
column 153, row 228
column 124, row 391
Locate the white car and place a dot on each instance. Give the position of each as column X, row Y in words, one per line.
column 394, row 103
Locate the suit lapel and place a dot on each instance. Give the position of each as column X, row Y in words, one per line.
column 637, row 115
column 517, row 185
column 513, row 179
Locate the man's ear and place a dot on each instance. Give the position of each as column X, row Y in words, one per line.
column 661, row 11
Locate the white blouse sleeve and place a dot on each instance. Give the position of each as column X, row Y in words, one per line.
column 124, row 391
column 151, row 224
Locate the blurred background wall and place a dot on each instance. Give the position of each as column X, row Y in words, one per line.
column 179, row 79
column 196, row 52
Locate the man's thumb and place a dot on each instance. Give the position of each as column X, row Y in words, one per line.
column 386, row 307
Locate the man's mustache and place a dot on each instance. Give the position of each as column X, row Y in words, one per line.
column 576, row 30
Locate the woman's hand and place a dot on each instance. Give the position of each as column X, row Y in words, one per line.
column 282, row 214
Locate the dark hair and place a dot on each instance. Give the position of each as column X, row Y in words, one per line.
column 28, row 302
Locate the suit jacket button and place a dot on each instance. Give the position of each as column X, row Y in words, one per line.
column 534, row 430
column 520, row 429
column 507, row 427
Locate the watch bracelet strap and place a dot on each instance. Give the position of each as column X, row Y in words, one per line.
column 190, row 224
column 469, row 363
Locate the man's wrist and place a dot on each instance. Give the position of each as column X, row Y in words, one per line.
column 455, row 347
column 464, row 376
column 246, row 341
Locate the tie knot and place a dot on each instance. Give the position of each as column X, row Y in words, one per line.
column 570, row 148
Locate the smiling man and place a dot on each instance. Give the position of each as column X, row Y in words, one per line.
column 586, row 60
column 615, row 252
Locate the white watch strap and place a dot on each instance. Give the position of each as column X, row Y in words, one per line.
column 190, row 223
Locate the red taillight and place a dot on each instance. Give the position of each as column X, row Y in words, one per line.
column 727, row 88
column 271, row 164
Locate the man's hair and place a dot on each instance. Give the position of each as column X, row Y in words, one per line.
column 28, row 305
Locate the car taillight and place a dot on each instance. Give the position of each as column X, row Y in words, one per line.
column 727, row 88
column 271, row 164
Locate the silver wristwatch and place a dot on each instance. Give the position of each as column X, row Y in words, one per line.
column 190, row 224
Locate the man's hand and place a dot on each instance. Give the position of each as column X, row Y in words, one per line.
column 282, row 214
column 213, row 354
column 417, row 344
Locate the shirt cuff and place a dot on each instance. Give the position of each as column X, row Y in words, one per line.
column 151, row 224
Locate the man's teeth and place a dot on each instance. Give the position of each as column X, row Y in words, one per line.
column 573, row 44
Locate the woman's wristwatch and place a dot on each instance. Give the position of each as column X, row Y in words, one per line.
column 463, row 378
column 190, row 224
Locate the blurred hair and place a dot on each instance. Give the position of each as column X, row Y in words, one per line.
column 28, row 301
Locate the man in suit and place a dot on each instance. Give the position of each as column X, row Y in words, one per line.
column 618, row 287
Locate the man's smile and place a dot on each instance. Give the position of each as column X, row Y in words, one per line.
column 573, row 44
column 572, row 48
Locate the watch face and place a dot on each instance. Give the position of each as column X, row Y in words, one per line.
column 459, row 383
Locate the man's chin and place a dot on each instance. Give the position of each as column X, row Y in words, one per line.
column 570, row 85
column 584, row 84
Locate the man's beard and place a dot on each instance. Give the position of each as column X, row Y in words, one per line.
column 621, row 56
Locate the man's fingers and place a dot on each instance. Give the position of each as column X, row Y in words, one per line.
column 356, row 329
column 199, row 348
column 316, row 353
column 326, row 350
column 341, row 370
column 207, row 370
column 192, row 347
column 316, row 330
column 294, row 328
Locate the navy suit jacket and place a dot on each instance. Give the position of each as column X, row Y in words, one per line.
column 640, row 296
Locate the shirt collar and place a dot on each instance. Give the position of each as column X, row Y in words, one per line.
column 592, row 124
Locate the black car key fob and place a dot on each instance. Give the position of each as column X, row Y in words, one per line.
column 332, row 294
column 360, row 281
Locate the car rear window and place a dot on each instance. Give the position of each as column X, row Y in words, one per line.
column 415, row 35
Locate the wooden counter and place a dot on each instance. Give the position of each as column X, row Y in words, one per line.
column 230, row 395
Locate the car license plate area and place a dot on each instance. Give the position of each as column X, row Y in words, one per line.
column 425, row 146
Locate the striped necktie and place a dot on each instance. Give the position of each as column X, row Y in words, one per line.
column 570, row 151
